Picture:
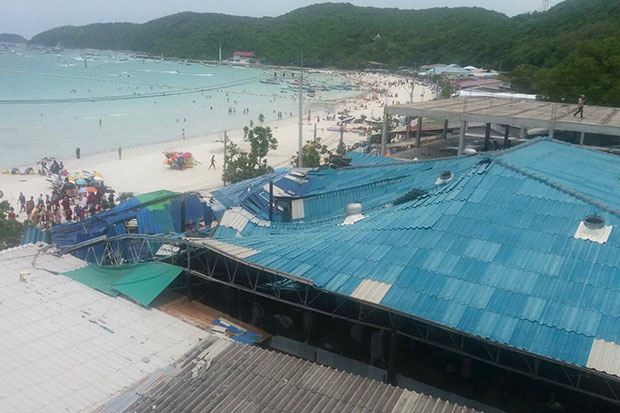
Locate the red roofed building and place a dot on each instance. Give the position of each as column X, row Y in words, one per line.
column 244, row 57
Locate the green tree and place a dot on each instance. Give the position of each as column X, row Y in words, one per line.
column 445, row 87
column 261, row 118
column 522, row 78
column 593, row 69
column 314, row 155
column 240, row 165
column 10, row 229
column 261, row 142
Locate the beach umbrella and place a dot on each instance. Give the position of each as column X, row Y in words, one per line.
column 91, row 189
column 80, row 181
column 81, row 190
column 98, row 178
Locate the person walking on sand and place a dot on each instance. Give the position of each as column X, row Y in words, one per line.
column 22, row 202
column 77, row 152
column 183, row 133
column 581, row 103
column 212, row 162
column 120, row 153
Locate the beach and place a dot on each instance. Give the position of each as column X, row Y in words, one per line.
column 142, row 168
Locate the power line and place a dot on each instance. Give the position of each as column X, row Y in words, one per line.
column 128, row 97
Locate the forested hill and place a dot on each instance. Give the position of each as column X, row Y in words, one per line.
column 576, row 41
column 12, row 38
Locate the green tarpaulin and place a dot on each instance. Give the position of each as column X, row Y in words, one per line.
column 157, row 199
column 141, row 282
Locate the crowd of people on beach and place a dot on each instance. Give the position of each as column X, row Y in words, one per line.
column 74, row 197
column 63, row 205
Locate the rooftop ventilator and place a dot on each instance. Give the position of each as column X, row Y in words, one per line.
column 353, row 212
column 593, row 228
column 446, row 176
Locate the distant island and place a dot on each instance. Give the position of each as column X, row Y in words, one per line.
column 12, row 38
column 572, row 49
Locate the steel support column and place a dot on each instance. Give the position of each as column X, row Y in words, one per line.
column 487, row 137
column 462, row 138
column 418, row 132
column 384, row 133
column 507, row 136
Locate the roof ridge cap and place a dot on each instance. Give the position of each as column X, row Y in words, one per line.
column 527, row 143
column 574, row 193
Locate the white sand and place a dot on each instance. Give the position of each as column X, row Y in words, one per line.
column 142, row 169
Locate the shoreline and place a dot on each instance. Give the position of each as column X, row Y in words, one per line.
column 142, row 168
column 313, row 105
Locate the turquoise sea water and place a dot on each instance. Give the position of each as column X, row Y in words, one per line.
column 61, row 101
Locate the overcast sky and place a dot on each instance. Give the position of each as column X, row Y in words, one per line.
column 29, row 17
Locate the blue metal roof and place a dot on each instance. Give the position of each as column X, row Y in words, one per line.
column 590, row 172
column 326, row 191
column 359, row 158
column 491, row 253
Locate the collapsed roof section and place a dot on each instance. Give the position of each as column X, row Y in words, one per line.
column 160, row 212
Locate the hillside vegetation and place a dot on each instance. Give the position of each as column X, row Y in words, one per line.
column 12, row 38
column 573, row 48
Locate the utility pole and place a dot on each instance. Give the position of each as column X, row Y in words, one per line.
column 315, row 133
column 412, row 84
column 301, row 112
column 271, row 200
column 220, row 50
column 225, row 139
column 384, row 132
column 341, row 143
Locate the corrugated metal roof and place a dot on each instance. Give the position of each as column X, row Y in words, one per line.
column 222, row 376
column 67, row 347
column 491, row 253
column 359, row 158
column 33, row 235
column 371, row 291
column 328, row 190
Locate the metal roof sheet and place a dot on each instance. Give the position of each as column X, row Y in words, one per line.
column 491, row 253
column 360, row 158
column 33, row 235
column 220, row 375
column 67, row 347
